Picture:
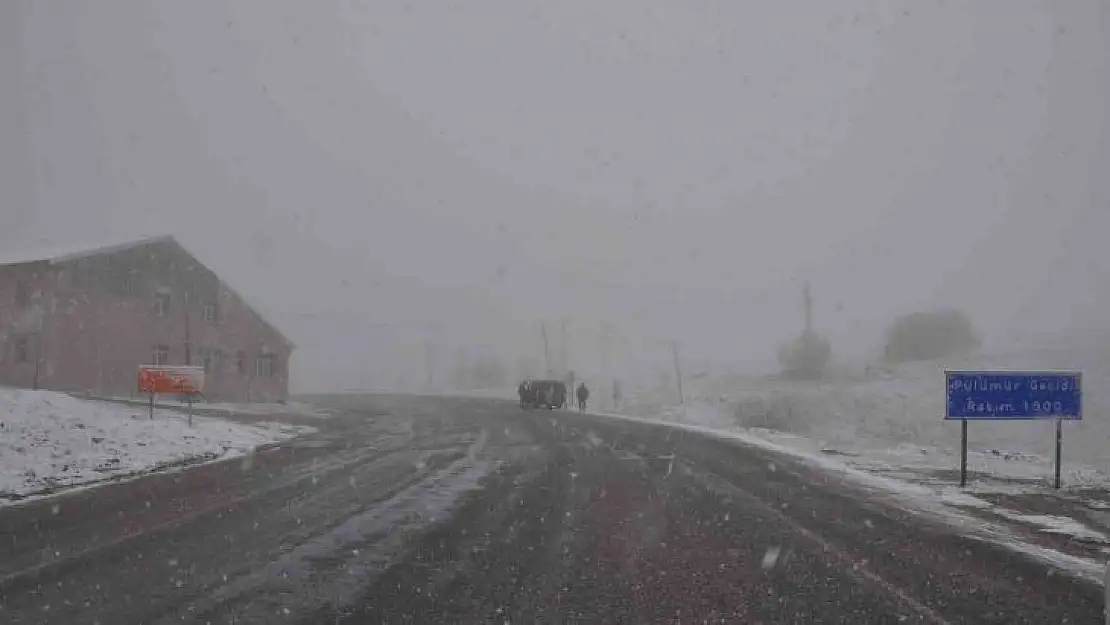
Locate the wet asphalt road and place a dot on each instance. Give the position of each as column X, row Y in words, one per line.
column 433, row 510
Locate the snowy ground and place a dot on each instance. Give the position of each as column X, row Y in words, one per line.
column 256, row 408
column 887, row 424
column 507, row 392
column 891, row 419
column 51, row 439
column 253, row 408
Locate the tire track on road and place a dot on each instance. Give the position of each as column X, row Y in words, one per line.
column 332, row 566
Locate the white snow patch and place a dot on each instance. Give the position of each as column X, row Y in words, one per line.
column 1051, row 524
column 266, row 408
column 50, row 439
column 251, row 408
column 771, row 557
column 952, row 497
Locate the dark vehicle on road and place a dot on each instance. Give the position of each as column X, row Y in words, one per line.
column 548, row 394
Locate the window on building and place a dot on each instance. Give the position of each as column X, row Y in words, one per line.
column 22, row 350
column 161, row 304
column 22, row 293
column 161, row 355
column 211, row 359
column 241, row 362
column 265, row 366
column 211, row 314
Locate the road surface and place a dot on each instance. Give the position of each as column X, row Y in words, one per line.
column 435, row 510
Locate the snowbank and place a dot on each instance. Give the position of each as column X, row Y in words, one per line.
column 50, row 439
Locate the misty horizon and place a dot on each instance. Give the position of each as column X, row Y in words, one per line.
column 377, row 177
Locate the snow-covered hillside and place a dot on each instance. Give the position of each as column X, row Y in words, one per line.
column 892, row 417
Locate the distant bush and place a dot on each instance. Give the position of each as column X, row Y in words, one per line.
column 805, row 357
column 776, row 412
column 930, row 335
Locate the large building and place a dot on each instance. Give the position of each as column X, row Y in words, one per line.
column 85, row 320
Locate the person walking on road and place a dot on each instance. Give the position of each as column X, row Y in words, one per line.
column 583, row 395
column 616, row 394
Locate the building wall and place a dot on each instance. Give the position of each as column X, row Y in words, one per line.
column 102, row 319
column 22, row 321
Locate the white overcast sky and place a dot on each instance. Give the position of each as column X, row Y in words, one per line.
column 374, row 173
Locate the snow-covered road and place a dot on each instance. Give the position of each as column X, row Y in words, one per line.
column 428, row 509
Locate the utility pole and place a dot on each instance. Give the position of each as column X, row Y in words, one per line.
column 563, row 346
column 807, row 302
column 677, row 371
column 606, row 344
column 429, row 368
column 546, row 349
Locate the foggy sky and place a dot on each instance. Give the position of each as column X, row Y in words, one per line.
column 377, row 174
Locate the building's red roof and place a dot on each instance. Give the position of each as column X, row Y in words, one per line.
column 64, row 254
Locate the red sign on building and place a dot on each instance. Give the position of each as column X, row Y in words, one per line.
column 171, row 379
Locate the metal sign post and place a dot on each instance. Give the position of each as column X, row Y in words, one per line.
column 1059, row 447
column 963, row 453
column 1013, row 396
column 1106, row 593
column 171, row 380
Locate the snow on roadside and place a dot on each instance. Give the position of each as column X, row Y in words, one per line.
column 883, row 428
column 260, row 408
column 1054, row 524
column 252, row 408
column 944, row 503
column 890, row 420
column 50, row 439
column 489, row 393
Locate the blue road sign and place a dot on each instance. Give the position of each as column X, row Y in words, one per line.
column 1013, row 395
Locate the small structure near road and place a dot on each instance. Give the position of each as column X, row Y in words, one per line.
column 84, row 320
